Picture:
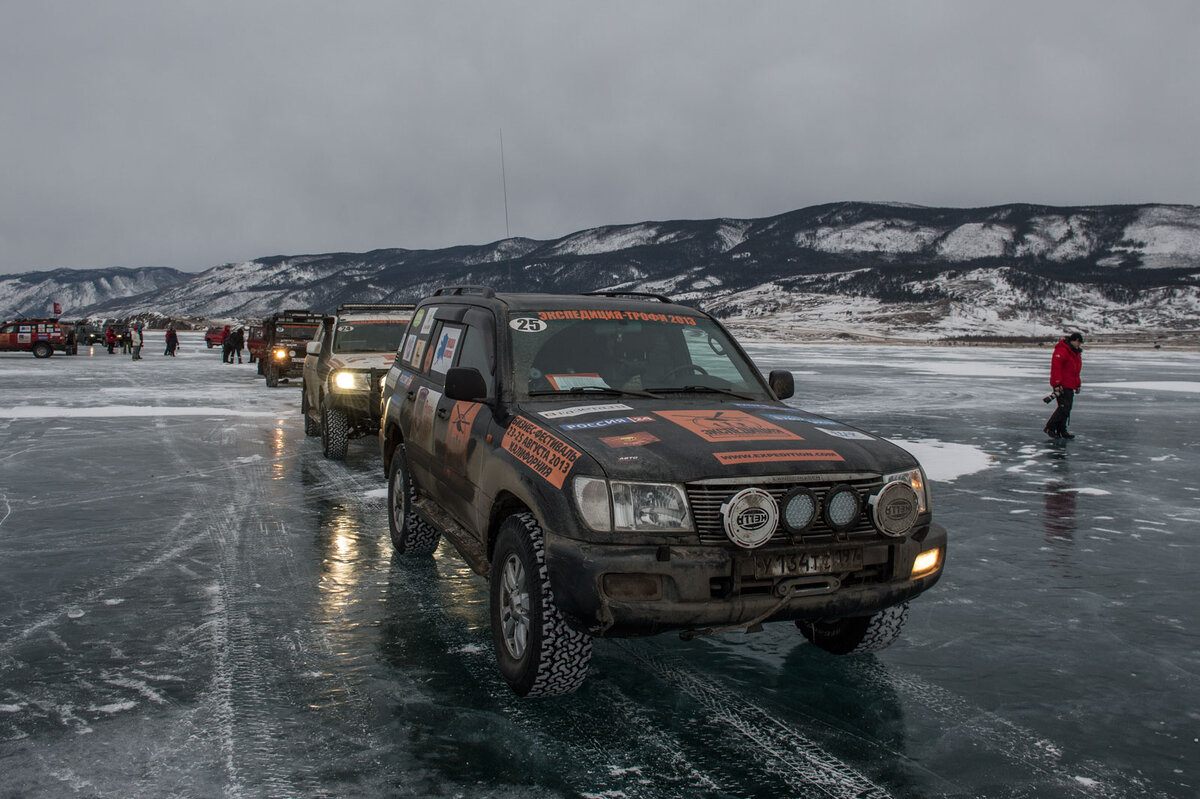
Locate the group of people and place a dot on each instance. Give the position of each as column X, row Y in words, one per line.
column 234, row 343
column 131, row 341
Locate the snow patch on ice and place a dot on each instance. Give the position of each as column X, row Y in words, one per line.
column 249, row 459
column 376, row 493
column 946, row 461
column 113, row 411
column 115, row 707
column 1095, row 492
column 10, row 708
column 111, row 602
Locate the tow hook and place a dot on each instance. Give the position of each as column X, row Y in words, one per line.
column 807, row 586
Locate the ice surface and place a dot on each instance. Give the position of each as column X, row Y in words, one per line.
column 193, row 602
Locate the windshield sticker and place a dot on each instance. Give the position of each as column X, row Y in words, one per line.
column 853, row 435
column 405, row 379
column 582, row 380
column 618, row 316
column 580, row 410
column 527, row 324
column 638, row 439
column 599, row 423
column 418, row 317
column 428, row 324
column 410, row 341
column 776, row 455
column 459, row 431
column 728, row 426
column 539, row 449
column 447, row 345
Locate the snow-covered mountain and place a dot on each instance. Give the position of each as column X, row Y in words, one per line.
column 79, row 291
column 865, row 268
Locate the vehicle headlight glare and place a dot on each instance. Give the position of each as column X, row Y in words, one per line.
column 349, row 381
column 916, row 479
column 926, row 563
column 280, row 354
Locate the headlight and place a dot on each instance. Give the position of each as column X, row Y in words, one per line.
column 632, row 507
column 916, row 479
column 351, row 381
column 281, row 353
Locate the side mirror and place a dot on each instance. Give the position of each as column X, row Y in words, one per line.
column 782, row 383
column 312, row 348
column 465, row 383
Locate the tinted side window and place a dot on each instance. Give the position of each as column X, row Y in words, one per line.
column 473, row 352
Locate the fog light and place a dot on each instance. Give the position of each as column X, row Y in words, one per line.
column 927, row 562
column 632, row 587
column 281, row 354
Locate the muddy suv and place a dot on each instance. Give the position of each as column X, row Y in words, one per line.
column 344, row 370
column 617, row 466
column 42, row 337
column 287, row 333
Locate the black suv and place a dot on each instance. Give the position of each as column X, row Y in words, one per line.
column 617, row 466
column 344, row 370
column 287, row 335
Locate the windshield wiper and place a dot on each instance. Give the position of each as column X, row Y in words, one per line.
column 702, row 390
column 577, row 390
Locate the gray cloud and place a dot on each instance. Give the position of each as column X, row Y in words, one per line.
column 188, row 134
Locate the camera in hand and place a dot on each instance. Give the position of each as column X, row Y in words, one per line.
column 1052, row 396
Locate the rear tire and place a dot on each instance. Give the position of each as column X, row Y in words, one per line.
column 411, row 534
column 537, row 652
column 311, row 427
column 857, row 634
column 42, row 350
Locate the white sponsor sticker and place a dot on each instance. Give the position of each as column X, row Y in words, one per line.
column 582, row 409
column 527, row 324
column 850, row 434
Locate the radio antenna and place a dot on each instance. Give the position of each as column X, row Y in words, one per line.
column 504, row 185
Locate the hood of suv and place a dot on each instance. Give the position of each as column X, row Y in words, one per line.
column 362, row 360
column 678, row 439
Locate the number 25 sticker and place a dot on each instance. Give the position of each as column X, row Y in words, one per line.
column 526, row 324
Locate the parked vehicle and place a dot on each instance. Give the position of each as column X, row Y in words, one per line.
column 617, row 466
column 287, row 333
column 41, row 337
column 256, row 343
column 344, row 370
column 214, row 337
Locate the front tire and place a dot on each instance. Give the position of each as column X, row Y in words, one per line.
column 42, row 350
column 537, row 652
column 857, row 634
column 335, row 432
column 411, row 534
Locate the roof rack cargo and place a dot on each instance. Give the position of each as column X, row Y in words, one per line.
column 485, row 291
column 637, row 294
column 351, row 307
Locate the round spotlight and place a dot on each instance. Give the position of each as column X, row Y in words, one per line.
column 842, row 508
column 750, row 517
column 799, row 509
column 894, row 509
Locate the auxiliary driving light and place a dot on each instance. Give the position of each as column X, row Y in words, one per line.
column 799, row 509
column 895, row 508
column 842, row 507
column 927, row 562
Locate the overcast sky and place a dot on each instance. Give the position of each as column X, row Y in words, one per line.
column 189, row 134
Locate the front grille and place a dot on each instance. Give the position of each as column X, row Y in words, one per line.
column 706, row 500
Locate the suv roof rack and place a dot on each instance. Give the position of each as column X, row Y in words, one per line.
column 485, row 291
column 374, row 306
column 645, row 295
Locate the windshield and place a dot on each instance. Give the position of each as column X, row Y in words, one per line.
column 557, row 352
column 374, row 336
column 303, row 332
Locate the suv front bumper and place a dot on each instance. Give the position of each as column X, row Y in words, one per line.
column 624, row 590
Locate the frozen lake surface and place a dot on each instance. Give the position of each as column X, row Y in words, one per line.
column 193, row 602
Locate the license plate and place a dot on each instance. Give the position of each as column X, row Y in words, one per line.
column 793, row 564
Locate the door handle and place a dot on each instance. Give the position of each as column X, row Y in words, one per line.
column 443, row 413
column 411, row 394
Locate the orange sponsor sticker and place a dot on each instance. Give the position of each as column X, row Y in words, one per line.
column 639, row 439
column 540, row 450
column 728, row 426
column 775, row 455
column 462, row 416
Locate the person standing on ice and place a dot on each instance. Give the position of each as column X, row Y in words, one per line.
column 172, row 342
column 136, row 341
column 227, row 346
column 237, row 340
column 1065, row 366
column 110, row 339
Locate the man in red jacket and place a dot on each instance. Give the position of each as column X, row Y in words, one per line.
column 1064, row 380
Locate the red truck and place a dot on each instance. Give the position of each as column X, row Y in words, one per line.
column 215, row 336
column 39, row 336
